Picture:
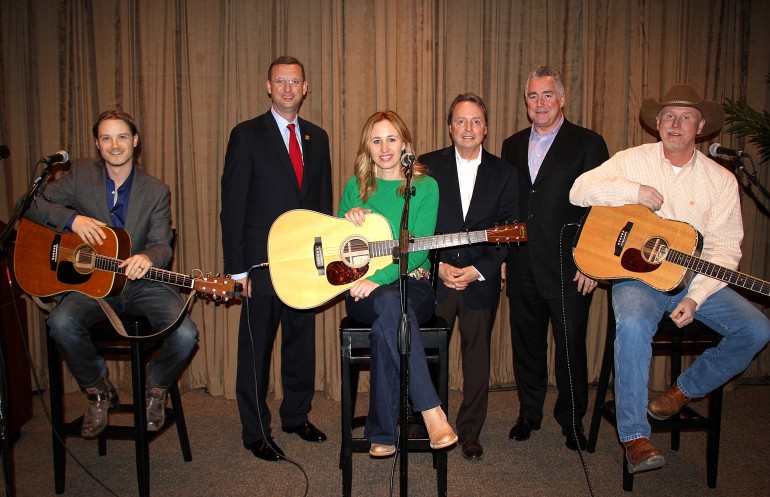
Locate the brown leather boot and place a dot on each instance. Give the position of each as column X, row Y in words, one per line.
column 667, row 404
column 641, row 455
column 101, row 398
column 156, row 406
column 440, row 432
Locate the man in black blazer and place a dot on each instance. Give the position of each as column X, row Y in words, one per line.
column 266, row 175
column 548, row 156
column 476, row 190
column 114, row 191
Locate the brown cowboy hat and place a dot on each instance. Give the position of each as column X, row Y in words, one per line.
column 684, row 95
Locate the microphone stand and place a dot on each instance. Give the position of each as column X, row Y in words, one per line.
column 4, row 420
column 752, row 177
column 404, row 331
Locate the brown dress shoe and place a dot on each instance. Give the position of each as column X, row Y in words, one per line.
column 440, row 433
column 667, row 404
column 641, row 455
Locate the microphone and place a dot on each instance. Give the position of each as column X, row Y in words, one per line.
column 59, row 157
column 407, row 160
column 4, row 151
column 716, row 150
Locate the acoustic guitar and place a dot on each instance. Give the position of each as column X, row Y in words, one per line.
column 314, row 257
column 48, row 263
column 632, row 242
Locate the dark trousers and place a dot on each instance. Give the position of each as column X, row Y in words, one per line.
column 475, row 337
column 530, row 315
column 263, row 313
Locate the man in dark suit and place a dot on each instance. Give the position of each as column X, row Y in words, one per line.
column 548, row 156
column 267, row 173
column 113, row 191
column 476, row 190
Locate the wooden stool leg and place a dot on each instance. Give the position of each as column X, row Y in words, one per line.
column 181, row 423
column 57, row 415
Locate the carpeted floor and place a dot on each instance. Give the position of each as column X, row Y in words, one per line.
column 541, row 466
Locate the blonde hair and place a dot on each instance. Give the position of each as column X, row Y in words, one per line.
column 365, row 168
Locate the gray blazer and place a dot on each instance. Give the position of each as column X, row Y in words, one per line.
column 82, row 191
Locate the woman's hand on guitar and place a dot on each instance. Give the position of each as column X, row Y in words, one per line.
column 362, row 289
column 357, row 215
column 136, row 266
column 88, row 229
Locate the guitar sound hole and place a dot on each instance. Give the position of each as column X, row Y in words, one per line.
column 83, row 259
column 655, row 250
column 354, row 252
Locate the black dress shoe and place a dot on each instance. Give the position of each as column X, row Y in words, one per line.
column 472, row 450
column 306, row 431
column 523, row 428
column 266, row 449
column 575, row 437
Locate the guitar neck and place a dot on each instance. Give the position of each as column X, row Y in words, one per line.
column 154, row 274
column 715, row 271
column 385, row 247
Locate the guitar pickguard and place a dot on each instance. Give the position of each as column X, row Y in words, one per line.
column 338, row 273
column 632, row 260
column 69, row 275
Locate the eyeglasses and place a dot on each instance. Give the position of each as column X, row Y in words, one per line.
column 281, row 82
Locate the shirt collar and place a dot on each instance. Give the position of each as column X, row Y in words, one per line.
column 471, row 162
column 534, row 136
column 282, row 122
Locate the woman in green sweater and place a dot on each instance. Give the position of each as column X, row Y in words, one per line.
column 378, row 186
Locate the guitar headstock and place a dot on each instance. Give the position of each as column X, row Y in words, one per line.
column 216, row 287
column 509, row 233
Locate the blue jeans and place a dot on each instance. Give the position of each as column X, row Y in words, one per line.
column 70, row 319
column 382, row 308
column 638, row 310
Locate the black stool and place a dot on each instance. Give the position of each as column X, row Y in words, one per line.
column 113, row 346
column 676, row 342
column 354, row 349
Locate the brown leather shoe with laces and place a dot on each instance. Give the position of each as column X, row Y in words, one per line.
column 101, row 398
column 667, row 404
column 156, row 406
column 641, row 455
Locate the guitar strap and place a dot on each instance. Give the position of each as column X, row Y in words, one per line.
column 117, row 324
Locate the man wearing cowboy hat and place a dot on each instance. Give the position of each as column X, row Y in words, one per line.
column 677, row 182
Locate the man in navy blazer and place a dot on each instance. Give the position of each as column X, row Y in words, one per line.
column 549, row 156
column 259, row 183
column 476, row 190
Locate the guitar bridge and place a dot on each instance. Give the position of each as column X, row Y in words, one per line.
column 54, row 257
column 318, row 256
column 622, row 238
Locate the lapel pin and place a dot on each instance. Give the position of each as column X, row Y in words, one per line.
column 307, row 138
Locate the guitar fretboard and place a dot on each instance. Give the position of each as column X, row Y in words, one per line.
column 385, row 247
column 718, row 272
column 154, row 274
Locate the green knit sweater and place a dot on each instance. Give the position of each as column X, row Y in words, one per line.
column 423, row 208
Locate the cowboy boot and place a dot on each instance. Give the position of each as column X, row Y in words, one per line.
column 101, row 398
column 440, row 432
column 156, row 406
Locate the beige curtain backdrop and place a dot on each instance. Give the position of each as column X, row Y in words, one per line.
column 189, row 70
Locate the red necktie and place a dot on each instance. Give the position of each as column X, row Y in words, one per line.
column 295, row 154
